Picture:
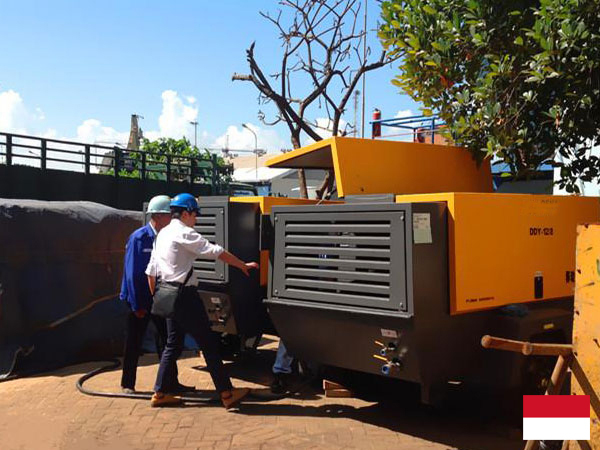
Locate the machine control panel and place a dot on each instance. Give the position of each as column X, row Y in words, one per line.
column 218, row 309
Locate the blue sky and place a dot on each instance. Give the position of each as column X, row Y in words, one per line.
column 78, row 69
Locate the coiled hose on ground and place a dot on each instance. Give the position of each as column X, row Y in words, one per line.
column 206, row 399
column 115, row 364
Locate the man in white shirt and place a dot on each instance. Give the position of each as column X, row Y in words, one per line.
column 176, row 248
column 134, row 291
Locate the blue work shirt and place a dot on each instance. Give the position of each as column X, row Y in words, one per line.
column 134, row 287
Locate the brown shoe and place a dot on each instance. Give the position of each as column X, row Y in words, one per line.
column 232, row 398
column 160, row 399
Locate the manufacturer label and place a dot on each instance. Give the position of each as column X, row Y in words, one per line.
column 422, row 228
column 480, row 299
column 538, row 231
column 389, row 333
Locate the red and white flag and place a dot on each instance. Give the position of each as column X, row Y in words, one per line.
column 556, row 417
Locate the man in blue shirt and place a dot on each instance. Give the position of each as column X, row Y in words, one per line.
column 136, row 292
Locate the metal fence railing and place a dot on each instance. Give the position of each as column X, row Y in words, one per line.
column 412, row 128
column 44, row 153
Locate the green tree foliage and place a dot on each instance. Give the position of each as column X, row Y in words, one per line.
column 182, row 157
column 517, row 79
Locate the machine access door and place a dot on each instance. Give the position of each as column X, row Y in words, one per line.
column 210, row 223
column 344, row 256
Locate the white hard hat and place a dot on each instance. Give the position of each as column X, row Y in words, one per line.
column 159, row 205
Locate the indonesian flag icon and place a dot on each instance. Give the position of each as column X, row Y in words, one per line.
column 556, row 417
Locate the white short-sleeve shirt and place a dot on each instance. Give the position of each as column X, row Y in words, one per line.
column 175, row 249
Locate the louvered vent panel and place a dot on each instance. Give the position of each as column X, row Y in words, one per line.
column 344, row 258
column 210, row 224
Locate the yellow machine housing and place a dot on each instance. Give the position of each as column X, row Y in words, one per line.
column 510, row 248
column 366, row 166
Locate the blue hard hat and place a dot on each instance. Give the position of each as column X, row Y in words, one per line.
column 186, row 201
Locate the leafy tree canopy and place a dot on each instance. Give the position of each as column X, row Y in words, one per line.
column 178, row 152
column 519, row 80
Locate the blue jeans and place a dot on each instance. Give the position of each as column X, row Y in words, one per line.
column 191, row 319
column 283, row 360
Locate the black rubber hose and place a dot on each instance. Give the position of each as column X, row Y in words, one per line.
column 7, row 378
column 115, row 364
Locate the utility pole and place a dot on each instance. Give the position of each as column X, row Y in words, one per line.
column 255, row 149
column 356, row 95
column 362, row 134
column 195, row 123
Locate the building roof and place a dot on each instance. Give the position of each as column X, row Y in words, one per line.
column 263, row 174
column 244, row 169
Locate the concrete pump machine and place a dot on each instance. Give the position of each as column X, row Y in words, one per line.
column 421, row 261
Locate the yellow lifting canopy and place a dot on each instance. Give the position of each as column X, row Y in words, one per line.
column 368, row 166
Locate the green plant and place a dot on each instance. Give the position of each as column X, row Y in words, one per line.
column 182, row 158
column 519, row 80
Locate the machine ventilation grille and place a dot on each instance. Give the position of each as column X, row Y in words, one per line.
column 342, row 258
column 211, row 225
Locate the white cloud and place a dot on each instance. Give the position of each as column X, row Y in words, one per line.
column 404, row 113
column 15, row 117
column 176, row 115
column 323, row 129
column 174, row 121
column 92, row 131
column 239, row 138
column 50, row 133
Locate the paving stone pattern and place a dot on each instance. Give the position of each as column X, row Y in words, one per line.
column 47, row 412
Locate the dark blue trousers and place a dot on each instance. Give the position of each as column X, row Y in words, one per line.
column 136, row 329
column 191, row 318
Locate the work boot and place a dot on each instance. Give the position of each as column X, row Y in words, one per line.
column 231, row 398
column 279, row 385
column 160, row 399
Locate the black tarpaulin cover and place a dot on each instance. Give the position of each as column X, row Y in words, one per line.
column 60, row 274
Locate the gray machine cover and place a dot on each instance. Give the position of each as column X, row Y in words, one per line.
column 60, row 275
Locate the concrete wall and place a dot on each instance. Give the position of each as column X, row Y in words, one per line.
column 25, row 182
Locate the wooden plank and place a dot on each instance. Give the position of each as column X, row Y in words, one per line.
column 339, row 393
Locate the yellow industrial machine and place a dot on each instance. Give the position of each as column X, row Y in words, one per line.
column 410, row 278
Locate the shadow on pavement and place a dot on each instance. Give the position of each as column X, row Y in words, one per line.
column 421, row 422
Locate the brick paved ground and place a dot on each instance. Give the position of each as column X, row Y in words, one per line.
column 47, row 412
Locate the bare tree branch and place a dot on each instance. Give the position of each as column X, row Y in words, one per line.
column 321, row 41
